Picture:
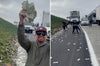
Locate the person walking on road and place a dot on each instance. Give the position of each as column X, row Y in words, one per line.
column 64, row 25
column 75, row 26
column 90, row 22
column 78, row 26
column 37, row 51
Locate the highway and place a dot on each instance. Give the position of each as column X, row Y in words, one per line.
column 69, row 49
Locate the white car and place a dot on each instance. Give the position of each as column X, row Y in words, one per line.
column 29, row 28
column 84, row 22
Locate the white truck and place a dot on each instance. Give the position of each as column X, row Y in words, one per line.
column 98, row 15
column 74, row 15
column 95, row 15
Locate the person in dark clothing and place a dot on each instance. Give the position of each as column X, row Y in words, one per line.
column 75, row 26
column 64, row 25
column 91, row 22
column 38, row 51
column 78, row 26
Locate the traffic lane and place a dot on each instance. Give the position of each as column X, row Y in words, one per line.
column 58, row 51
column 81, row 57
column 68, row 51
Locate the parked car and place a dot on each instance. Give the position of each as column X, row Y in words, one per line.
column 84, row 22
column 29, row 28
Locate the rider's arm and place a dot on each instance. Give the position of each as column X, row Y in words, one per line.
column 24, row 42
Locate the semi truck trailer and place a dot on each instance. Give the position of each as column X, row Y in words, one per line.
column 98, row 15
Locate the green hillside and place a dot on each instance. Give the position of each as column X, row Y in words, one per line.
column 56, row 22
column 7, row 32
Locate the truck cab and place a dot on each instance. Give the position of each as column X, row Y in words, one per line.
column 74, row 15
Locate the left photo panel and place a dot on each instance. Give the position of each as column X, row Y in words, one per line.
column 25, row 33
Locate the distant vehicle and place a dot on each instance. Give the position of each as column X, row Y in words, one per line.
column 84, row 21
column 98, row 15
column 29, row 28
column 74, row 15
column 95, row 15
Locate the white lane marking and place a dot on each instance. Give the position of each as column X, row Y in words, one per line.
column 78, row 50
column 55, row 62
column 87, row 58
column 68, row 49
column 86, row 48
column 91, row 50
column 74, row 43
column 78, row 59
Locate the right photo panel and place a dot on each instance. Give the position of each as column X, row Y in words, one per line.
column 75, row 32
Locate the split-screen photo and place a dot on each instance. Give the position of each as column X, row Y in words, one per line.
column 49, row 33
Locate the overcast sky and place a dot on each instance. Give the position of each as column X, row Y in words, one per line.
column 9, row 9
column 62, row 8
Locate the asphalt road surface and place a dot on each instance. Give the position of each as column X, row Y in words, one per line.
column 69, row 49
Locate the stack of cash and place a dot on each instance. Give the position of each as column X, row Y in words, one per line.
column 30, row 13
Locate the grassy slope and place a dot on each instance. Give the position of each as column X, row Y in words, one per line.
column 7, row 32
column 56, row 22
